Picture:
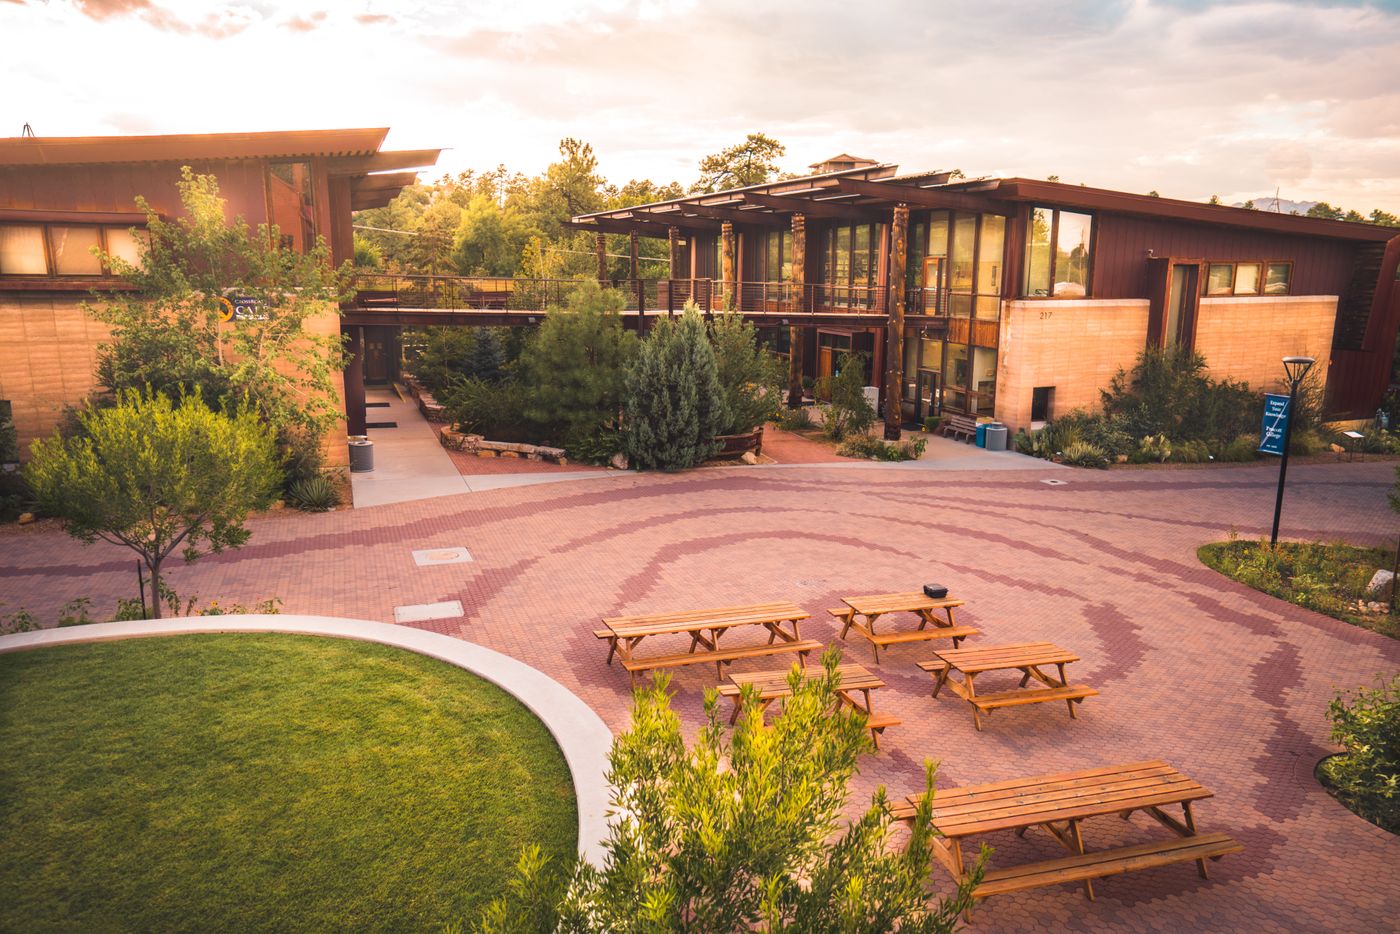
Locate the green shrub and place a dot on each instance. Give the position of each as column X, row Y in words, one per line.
column 20, row 620
column 932, row 422
column 1366, row 776
column 849, row 412
column 1083, row 454
column 675, row 405
column 598, row 447
column 1189, row 452
column 1306, row 441
column 314, row 494
column 873, row 448
column 1243, row 449
column 1170, row 393
column 751, row 378
column 1373, row 441
column 1153, row 449
column 492, row 410
column 9, row 437
column 799, row 419
column 15, row 495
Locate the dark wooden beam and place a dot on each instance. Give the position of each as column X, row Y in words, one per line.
column 604, row 225
column 813, row 208
column 396, row 180
column 922, row 197
column 372, row 199
column 759, row 218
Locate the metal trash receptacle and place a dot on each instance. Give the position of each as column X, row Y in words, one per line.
column 981, row 437
column 996, row 437
column 361, row 454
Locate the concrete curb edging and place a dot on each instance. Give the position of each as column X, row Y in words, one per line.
column 582, row 736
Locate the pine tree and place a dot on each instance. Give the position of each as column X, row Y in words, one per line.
column 675, row 404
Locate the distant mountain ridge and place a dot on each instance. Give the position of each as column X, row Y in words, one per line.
column 1266, row 203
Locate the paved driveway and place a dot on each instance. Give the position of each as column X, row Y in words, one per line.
column 1226, row 684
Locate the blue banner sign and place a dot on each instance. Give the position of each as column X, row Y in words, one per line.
column 1275, row 424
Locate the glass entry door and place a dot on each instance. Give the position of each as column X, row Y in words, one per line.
column 933, row 285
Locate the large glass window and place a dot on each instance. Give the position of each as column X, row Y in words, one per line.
column 991, row 239
column 964, row 240
column 1072, row 235
column 72, row 250
column 938, row 233
column 1038, row 253
column 1247, row 279
column 22, row 251
column 955, row 377
column 1063, row 271
column 1276, row 280
column 984, row 379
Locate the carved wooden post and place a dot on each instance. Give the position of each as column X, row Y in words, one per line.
column 673, row 243
column 799, row 306
column 894, row 337
column 600, row 244
column 726, row 266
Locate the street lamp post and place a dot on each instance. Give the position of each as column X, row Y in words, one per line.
column 1296, row 368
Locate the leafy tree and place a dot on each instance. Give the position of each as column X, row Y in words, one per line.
column 155, row 477
column 1154, row 193
column 1214, row 199
column 1323, row 209
column 748, row 163
column 573, row 369
column 489, row 239
column 740, row 833
column 751, row 378
column 1248, row 205
column 675, row 405
column 1384, row 218
column 849, row 412
column 168, row 334
column 368, row 254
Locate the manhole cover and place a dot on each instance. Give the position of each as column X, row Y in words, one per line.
column 1054, row 482
column 431, row 556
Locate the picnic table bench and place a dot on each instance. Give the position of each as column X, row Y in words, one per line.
column 705, row 627
column 854, row 690
column 1058, row 804
column 1027, row 658
column 860, row 614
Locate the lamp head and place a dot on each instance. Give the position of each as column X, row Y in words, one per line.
column 1297, row 367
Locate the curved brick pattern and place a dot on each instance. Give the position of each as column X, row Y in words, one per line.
column 1227, row 684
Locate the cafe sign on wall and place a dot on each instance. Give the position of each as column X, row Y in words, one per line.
column 239, row 308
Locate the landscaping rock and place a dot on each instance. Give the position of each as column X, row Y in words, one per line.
column 485, row 452
column 510, row 454
column 749, row 457
column 618, row 462
column 26, row 518
column 1380, row 581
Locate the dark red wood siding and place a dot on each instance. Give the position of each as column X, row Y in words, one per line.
column 115, row 187
column 1320, row 267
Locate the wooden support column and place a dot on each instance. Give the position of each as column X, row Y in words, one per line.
column 894, row 310
column 600, row 246
column 673, row 245
column 354, row 381
column 634, row 263
column 799, row 291
column 726, row 266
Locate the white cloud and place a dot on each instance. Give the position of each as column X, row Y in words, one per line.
column 1187, row 98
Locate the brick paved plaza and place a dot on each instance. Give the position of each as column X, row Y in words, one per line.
column 1227, row 685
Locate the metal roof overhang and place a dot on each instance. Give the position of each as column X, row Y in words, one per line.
column 91, row 150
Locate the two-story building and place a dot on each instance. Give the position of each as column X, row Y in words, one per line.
column 60, row 197
column 1021, row 299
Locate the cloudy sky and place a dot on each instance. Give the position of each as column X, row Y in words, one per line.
column 1187, row 97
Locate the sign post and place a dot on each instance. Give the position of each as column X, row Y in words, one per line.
column 1276, row 430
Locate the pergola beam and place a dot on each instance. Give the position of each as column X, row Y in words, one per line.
column 922, row 197
column 733, row 215
column 604, row 225
column 812, row 208
column 382, row 162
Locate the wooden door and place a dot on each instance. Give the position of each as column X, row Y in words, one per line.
column 376, row 360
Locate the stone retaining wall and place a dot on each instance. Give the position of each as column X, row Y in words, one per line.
column 476, row 444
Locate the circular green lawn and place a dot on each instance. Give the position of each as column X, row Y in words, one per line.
column 258, row 782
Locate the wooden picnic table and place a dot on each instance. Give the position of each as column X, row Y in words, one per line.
column 1059, row 804
column 855, row 688
column 861, row 613
column 704, row 628
column 1029, row 658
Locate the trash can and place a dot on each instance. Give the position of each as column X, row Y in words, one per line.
column 981, row 439
column 996, row 437
column 361, row 454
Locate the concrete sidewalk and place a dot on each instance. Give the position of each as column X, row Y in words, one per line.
column 410, row 464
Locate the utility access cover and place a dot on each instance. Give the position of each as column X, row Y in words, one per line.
column 1054, row 482
column 432, row 556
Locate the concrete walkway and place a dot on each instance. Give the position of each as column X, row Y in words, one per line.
column 410, row 464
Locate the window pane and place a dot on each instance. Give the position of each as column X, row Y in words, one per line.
column 841, row 271
column 1072, row 254
column 960, row 266
column 787, row 256
column 22, row 251
column 989, row 254
column 860, row 257
column 125, row 245
column 72, row 251
column 1038, row 254
column 1221, row 280
column 988, row 307
column 955, row 378
column 984, row 378
column 1276, row 283
column 1247, row 279
column 938, row 233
